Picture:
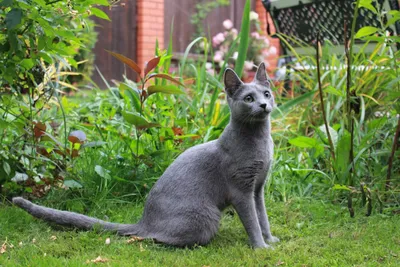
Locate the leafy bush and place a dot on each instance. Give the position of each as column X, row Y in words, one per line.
column 41, row 31
column 40, row 45
column 340, row 135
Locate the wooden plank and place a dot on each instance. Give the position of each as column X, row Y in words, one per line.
column 119, row 36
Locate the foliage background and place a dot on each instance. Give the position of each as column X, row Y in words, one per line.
column 112, row 145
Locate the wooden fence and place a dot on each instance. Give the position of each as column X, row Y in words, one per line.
column 182, row 10
column 117, row 35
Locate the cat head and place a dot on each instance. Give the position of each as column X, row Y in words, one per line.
column 249, row 102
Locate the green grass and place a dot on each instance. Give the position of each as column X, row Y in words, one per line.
column 312, row 233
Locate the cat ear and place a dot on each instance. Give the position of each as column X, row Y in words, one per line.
column 232, row 81
column 261, row 75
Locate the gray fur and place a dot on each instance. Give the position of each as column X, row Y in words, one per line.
column 184, row 206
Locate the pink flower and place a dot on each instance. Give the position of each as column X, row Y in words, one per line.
column 266, row 40
column 248, row 65
column 234, row 33
column 227, row 24
column 224, row 48
column 218, row 39
column 255, row 35
column 211, row 72
column 218, row 57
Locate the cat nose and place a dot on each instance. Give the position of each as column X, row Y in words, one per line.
column 263, row 106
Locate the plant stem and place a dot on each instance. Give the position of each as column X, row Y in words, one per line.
column 350, row 124
column 322, row 101
column 55, row 87
column 394, row 148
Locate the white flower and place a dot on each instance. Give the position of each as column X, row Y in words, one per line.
column 248, row 65
column 235, row 55
column 253, row 15
column 227, row 24
column 221, row 63
column 273, row 50
column 208, row 65
column 202, row 44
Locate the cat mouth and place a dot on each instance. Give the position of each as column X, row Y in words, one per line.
column 262, row 114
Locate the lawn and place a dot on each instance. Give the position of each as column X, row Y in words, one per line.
column 312, row 233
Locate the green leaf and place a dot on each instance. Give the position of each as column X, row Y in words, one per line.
column 13, row 18
column 166, row 89
column 186, row 54
column 104, row 173
column 365, row 31
column 244, row 39
column 392, row 20
column 303, row 141
column 6, row 167
column 72, row 184
column 131, row 93
column 102, row 2
column 333, row 133
column 6, row 3
column 342, row 156
column 340, row 187
column 137, row 120
column 45, row 57
column 332, row 90
column 27, row 63
column 368, row 4
column 99, row 13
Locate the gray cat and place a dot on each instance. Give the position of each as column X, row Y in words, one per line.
column 184, row 206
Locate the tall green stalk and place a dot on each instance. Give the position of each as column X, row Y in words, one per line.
column 244, row 39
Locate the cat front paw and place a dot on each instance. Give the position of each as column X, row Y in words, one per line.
column 272, row 239
column 262, row 245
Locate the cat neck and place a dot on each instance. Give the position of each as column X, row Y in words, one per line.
column 259, row 128
column 239, row 130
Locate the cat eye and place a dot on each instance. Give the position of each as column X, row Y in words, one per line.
column 248, row 99
column 267, row 94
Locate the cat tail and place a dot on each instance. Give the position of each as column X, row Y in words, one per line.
column 77, row 220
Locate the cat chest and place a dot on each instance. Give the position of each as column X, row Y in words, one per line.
column 250, row 165
column 245, row 176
